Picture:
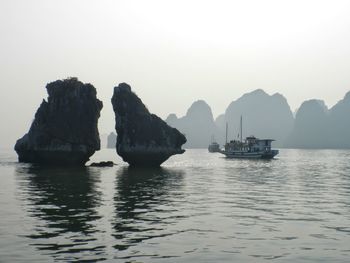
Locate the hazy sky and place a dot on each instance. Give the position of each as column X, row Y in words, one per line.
column 171, row 52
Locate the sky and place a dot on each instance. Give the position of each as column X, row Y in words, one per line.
column 171, row 52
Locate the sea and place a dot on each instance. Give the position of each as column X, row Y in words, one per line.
column 197, row 207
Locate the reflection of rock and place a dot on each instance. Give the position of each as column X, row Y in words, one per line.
column 63, row 202
column 64, row 130
column 142, row 202
column 64, row 197
column 111, row 140
column 143, row 138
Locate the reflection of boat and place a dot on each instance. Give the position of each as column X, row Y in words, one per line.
column 213, row 147
column 250, row 148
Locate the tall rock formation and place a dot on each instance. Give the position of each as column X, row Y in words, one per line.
column 64, row 130
column 311, row 124
column 316, row 126
column 339, row 124
column 265, row 116
column 143, row 138
column 198, row 125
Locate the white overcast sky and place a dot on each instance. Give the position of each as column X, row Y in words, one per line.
column 171, row 52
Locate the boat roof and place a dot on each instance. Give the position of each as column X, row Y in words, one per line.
column 254, row 138
column 251, row 137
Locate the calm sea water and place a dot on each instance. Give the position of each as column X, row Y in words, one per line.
column 199, row 207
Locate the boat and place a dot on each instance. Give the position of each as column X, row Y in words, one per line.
column 251, row 147
column 213, row 147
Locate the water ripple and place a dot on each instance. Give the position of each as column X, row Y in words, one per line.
column 198, row 207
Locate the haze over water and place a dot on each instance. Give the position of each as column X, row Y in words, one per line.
column 198, row 207
column 171, row 52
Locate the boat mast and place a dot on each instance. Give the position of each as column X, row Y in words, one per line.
column 241, row 130
column 226, row 132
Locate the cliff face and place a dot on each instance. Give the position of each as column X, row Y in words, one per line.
column 143, row 138
column 64, row 130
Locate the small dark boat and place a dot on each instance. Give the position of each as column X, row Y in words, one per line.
column 214, row 147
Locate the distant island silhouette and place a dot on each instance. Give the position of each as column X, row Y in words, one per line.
column 198, row 125
column 269, row 116
column 316, row 126
column 111, row 140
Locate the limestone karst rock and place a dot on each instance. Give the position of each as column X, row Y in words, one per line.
column 264, row 115
column 198, row 125
column 310, row 127
column 143, row 138
column 64, row 130
column 339, row 124
column 318, row 127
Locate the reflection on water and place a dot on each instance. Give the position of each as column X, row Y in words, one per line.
column 63, row 203
column 143, row 203
column 198, row 208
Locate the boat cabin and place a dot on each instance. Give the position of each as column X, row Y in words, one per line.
column 251, row 147
column 259, row 145
column 251, row 144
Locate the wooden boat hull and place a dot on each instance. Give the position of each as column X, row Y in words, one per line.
column 250, row 155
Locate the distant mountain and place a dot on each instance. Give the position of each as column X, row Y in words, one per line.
column 339, row 124
column 269, row 116
column 111, row 140
column 265, row 116
column 316, row 126
column 198, row 125
column 310, row 127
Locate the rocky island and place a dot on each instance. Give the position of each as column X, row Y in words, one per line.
column 143, row 138
column 64, row 130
